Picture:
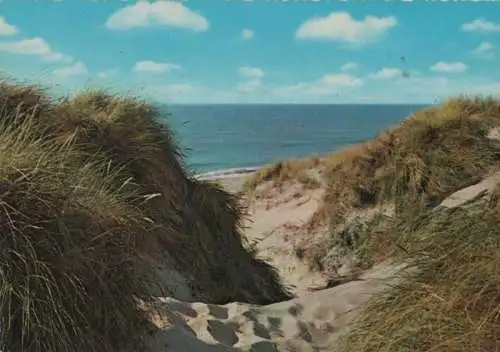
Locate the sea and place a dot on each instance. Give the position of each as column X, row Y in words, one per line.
column 231, row 139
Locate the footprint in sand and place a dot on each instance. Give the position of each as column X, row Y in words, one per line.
column 222, row 333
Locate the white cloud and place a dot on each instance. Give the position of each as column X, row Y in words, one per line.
column 7, row 29
column 327, row 85
column 251, row 72
column 419, row 88
column 76, row 69
column 386, row 73
column 249, row 86
column 488, row 89
column 341, row 26
column 35, row 46
column 247, row 34
column 58, row 57
column 253, row 76
column 481, row 25
column 485, row 49
column 164, row 13
column 154, row 67
column 449, row 67
column 107, row 73
column 349, row 66
column 437, row 88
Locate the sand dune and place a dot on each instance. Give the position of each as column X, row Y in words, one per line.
column 101, row 209
column 312, row 322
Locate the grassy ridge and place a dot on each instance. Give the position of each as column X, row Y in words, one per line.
column 287, row 170
column 451, row 300
column 208, row 250
column 93, row 190
column 416, row 163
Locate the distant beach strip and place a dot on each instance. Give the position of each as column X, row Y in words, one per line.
column 228, row 173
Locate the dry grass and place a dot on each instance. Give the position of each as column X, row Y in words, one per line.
column 434, row 153
column 68, row 271
column 208, row 250
column 451, row 301
column 234, row 269
column 288, row 170
column 128, row 132
column 93, row 189
column 19, row 100
column 415, row 164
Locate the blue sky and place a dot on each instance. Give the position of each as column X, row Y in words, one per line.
column 260, row 51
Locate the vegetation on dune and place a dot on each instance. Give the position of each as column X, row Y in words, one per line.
column 416, row 163
column 450, row 301
column 412, row 166
column 68, row 271
column 208, row 250
column 382, row 202
column 287, row 170
column 234, row 269
column 93, row 190
column 432, row 154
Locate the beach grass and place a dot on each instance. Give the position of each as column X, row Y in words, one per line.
column 418, row 162
column 128, row 132
column 287, row 170
column 69, row 270
column 449, row 300
column 93, row 191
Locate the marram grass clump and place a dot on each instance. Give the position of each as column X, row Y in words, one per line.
column 431, row 154
column 415, row 164
column 198, row 223
column 93, row 193
column 287, row 170
column 69, row 273
column 450, row 301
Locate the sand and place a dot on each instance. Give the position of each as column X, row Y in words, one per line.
column 314, row 320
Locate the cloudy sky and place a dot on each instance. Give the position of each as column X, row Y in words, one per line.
column 260, row 51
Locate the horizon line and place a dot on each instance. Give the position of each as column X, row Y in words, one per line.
column 283, row 103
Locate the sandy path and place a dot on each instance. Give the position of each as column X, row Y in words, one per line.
column 273, row 233
column 312, row 322
column 271, row 229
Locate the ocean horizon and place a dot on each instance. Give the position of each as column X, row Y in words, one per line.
column 223, row 139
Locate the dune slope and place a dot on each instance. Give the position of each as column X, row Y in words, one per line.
column 96, row 204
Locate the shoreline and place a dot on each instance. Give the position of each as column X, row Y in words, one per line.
column 228, row 173
column 232, row 180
